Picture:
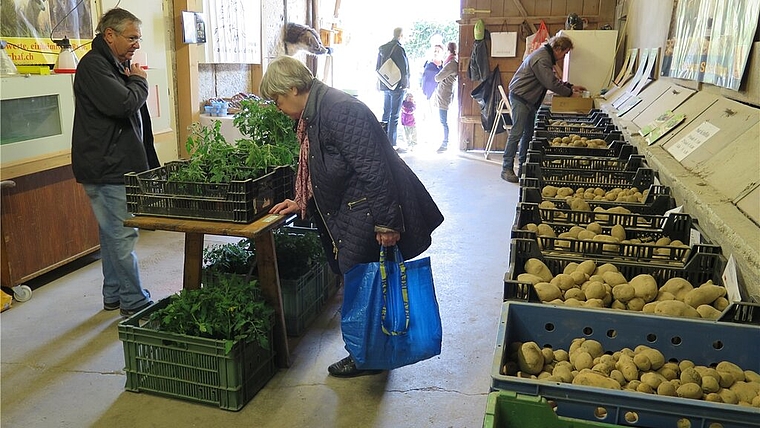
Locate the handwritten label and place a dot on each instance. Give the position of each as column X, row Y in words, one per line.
column 730, row 281
column 686, row 145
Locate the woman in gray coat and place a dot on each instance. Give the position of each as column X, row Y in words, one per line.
column 444, row 92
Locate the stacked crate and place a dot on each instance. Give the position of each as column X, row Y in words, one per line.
column 607, row 164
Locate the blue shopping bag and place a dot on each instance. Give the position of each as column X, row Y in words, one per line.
column 390, row 315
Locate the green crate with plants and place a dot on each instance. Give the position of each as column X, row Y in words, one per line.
column 211, row 345
column 220, row 180
column 301, row 265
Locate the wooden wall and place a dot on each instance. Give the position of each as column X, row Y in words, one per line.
column 523, row 17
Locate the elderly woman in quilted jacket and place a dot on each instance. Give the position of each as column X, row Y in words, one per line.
column 351, row 182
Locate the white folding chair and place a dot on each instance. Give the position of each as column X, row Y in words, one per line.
column 504, row 107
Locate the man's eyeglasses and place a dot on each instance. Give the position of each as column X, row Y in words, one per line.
column 133, row 40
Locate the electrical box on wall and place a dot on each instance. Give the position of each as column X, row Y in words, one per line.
column 193, row 27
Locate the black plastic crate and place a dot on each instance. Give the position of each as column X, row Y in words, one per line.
column 641, row 178
column 657, row 201
column 615, row 149
column 702, row 265
column 632, row 163
column 742, row 313
column 606, row 135
column 596, row 119
column 675, row 226
column 239, row 201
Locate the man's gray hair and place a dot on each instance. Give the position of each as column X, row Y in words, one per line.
column 116, row 19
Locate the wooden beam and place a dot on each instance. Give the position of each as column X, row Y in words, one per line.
column 524, row 14
column 188, row 98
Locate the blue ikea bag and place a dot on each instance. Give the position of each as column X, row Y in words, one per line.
column 390, row 316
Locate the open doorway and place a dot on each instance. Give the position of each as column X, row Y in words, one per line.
column 367, row 25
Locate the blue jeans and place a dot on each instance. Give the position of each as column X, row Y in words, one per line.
column 392, row 111
column 523, row 124
column 121, row 276
column 444, row 114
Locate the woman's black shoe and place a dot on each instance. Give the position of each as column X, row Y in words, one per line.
column 347, row 368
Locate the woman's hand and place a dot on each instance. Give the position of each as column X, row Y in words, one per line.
column 288, row 206
column 387, row 239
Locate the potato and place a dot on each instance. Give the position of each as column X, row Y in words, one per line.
column 642, row 362
column 656, row 359
column 623, row 292
column 593, row 347
column 590, row 378
column 713, row 397
column 545, row 230
column 666, row 388
column 575, row 293
column 645, row 286
column 547, row 292
column 653, row 379
column 728, row 396
column 745, row 391
column 563, row 281
column 612, row 242
column 751, row 376
column 736, row 371
column 704, row 294
column 575, row 230
column 594, row 303
column 675, row 308
column 617, row 376
column 531, row 227
column 537, row 267
column 573, row 302
column 691, row 375
column 615, row 278
column 549, row 191
column 563, row 373
column 649, row 308
column 635, row 304
column 627, row 367
column 529, row 358
column 587, row 266
column 689, row 390
column 710, row 384
column 561, row 355
column 721, row 303
column 607, row 267
column 595, row 290
column 708, row 312
column 570, row 268
column 678, row 287
column 529, row 278
column 594, row 227
column 586, row 235
column 664, row 295
column 581, row 360
column 548, row 354
column 618, row 232
column 617, row 304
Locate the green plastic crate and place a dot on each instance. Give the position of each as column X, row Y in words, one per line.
column 302, row 300
column 507, row 409
column 192, row 368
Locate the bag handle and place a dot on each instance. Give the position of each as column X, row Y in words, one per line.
column 404, row 290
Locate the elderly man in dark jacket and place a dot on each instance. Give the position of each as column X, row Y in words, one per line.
column 526, row 93
column 110, row 135
column 350, row 181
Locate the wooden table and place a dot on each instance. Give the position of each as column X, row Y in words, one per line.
column 259, row 231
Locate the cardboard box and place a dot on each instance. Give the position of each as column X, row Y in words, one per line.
column 571, row 105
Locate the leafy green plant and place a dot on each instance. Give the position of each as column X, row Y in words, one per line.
column 264, row 123
column 234, row 258
column 231, row 311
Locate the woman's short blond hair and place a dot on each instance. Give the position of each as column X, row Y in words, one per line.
column 284, row 74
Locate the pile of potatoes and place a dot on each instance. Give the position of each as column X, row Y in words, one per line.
column 575, row 140
column 587, row 285
column 555, row 122
column 594, row 232
column 600, row 212
column 580, row 195
column 643, row 369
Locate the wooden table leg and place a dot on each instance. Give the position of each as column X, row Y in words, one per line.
column 191, row 279
column 269, row 281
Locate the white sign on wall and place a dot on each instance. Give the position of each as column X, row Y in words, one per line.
column 686, row 145
column 233, row 31
column 504, row 44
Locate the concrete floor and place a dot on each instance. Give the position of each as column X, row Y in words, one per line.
column 62, row 361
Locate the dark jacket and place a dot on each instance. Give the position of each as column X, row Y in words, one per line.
column 479, row 68
column 107, row 139
column 393, row 49
column 535, row 75
column 360, row 183
column 428, row 78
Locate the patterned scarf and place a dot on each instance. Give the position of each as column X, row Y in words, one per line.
column 303, row 179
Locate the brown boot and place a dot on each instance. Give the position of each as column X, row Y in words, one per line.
column 509, row 175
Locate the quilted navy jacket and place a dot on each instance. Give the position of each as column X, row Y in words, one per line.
column 360, row 184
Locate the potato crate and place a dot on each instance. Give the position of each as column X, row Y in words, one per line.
column 615, row 149
column 658, row 200
column 702, row 265
column 674, row 226
column 596, row 119
column 640, row 178
column 703, row 342
column 545, row 161
column 508, row 409
column 192, row 368
column 238, row 201
column 545, row 111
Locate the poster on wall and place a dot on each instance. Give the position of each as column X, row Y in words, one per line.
column 710, row 40
column 233, row 31
column 31, row 27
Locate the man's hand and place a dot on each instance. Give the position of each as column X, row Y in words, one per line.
column 288, row 206
column 135, row 70
column 579, row 88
